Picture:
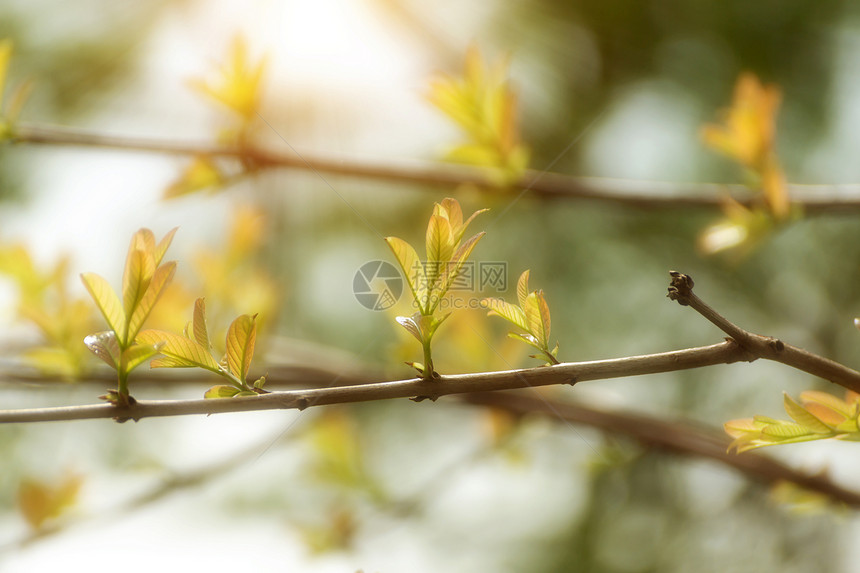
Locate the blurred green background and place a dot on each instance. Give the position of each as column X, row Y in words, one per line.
column 616, row 89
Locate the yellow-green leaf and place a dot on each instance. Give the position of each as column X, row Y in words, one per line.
column 139, row 269
column 163, row 245
column 182, row 351
column 544, row 316
column 413, row 269
column 527, row 338
column 468, row 221
column 238, row 85
column 221, row 391
column 162, row 277
column 440, row 246
column 781, row 431
column 169, row 362
column 144, row 240
column 523, row 288
column 107, row 302
column 202, row 173
column 453, row 269
column 241, row 337
column 451, row 210
column 509, row 312
column 137, row 354
column 201, row 332
column 805, row 418
column 534, row 318
column 830, row 401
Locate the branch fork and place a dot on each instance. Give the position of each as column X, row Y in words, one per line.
column 758, row 346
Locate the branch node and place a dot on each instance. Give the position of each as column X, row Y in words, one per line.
column 776, row 345
column 422, row 398
column 747, row 355
column 302, row 402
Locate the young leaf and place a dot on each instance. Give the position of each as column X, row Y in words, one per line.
column 527, row 338
column 163, row 245
column 202, row 173
column 451, row 210
column 238, row 87
column 137, row 354
column 105, row 346
column 139, row 269
column 241, row 337
column 453, row 268
column 523, row 289
column 201, row 332
column 534, row 318
column 142, row 240
column 410, row 264
column 837, row 405
column 411, row 325
column 221, row 391
column 179, row 350
column 162, row 277
column 440, row 244
column 804, row 417
column 544, row 316
column 784, row 431
column 509, row 312
column 107, row 301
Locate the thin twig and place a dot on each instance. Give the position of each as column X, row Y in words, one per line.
column 416, row 388
column 681, row 290
column 678, row 437
column 632, row 193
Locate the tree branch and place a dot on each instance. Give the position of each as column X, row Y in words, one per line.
column 681, row 290
column 418, row 389
column 632, row 193
column 672, row 436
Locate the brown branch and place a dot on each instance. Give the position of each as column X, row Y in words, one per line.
column 631, row 193
column 418, row 389
column 678, row 437
column 681, row 290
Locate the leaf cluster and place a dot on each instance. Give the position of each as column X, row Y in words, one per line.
column 531, row 315
column 126, row 346
column 818, row 416
column 430, row 280
column 747, row 135
column 237, row 86
column 193, row 349
column 62, row 319
column 238, row 81
column 483, row 104
column 143, row 282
